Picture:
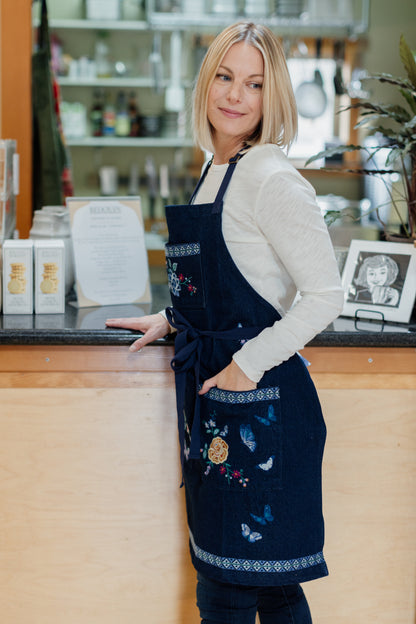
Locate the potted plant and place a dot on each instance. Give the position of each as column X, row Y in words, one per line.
column 396, row 125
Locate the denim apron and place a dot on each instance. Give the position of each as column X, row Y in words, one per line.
column 251, row 461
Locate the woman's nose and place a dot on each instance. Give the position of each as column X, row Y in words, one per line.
column 234, row 92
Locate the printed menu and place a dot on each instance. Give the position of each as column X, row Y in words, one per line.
column 111, row 264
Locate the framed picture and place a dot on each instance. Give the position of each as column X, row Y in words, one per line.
column 379, row 280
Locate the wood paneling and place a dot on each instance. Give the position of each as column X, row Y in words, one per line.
column 16, row 98
column 92, row 516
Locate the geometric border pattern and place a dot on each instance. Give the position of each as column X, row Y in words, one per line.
column 186, row 249
column 254, row 565
column 250, row 396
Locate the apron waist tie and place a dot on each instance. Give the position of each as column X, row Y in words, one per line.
column 188, row 349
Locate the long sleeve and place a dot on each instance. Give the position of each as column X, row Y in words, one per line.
column 289, row 218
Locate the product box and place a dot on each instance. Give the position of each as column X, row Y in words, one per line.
column 49, row 276
column 103, row 9
column 18, row 277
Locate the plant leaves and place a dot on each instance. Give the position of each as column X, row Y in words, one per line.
column 332, row 151
column 408, row 60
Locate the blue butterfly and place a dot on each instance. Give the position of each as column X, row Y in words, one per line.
column 251, row 536
column 267, row 516
column 271, row 417
column 267, row 465
column 247, row 436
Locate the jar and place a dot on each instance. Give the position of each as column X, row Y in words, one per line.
column 54, row 222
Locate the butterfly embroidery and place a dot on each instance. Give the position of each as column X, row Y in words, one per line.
column 251, row 536
column 267, row 516
column 271, row 417
column 267, row 465
column 247, row 437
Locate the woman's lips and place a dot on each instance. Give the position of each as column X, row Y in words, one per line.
column 231, row 113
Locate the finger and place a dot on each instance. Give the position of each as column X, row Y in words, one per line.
column 207, row 385
column 138, row 344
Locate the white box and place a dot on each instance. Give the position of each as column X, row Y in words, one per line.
column 103, row 9
column 49, row 276
column 18, row 277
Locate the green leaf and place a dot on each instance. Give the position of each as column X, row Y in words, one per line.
column 408, row 60
column 332, row 151
column 410, row 99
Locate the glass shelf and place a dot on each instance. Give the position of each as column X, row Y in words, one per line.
column 147, row 142
column 85, row 24
column 138, row 82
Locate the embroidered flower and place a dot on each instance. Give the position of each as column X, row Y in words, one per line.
column 218, row 451
column 174, row 284
column 177, row 281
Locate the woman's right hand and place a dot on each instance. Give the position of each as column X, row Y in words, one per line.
column 153, row 326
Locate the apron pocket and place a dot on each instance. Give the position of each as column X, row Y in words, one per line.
column 184, row 268
column 241, row 439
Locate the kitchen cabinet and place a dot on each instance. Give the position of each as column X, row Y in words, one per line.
column 93, row 519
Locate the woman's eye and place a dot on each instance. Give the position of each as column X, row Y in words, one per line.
column 223, row 77
column 255, row 85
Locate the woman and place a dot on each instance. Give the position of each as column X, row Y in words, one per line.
column 250, row 424
column 376, row 274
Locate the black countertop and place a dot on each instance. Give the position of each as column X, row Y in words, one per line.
column 86, row 326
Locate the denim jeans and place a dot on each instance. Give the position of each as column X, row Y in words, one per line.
column 223, row 603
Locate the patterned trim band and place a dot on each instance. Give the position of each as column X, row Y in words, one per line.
column 253, row 565
column 178, row 251
column 250, row 396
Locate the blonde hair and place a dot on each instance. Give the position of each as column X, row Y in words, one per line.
column 279, row 119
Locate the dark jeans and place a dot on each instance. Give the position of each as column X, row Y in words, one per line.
column 223, row 603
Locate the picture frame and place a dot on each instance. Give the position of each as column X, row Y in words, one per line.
column 379, row 280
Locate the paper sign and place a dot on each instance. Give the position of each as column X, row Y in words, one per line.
column 111, row 264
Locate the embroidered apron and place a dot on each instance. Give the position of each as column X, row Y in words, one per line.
column 251, row 460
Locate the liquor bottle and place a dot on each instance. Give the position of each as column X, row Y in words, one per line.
column 109, row 118
column 96, row 114
column 122, row 116
column 134, row 115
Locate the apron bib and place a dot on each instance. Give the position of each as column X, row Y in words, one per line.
column 251, row 460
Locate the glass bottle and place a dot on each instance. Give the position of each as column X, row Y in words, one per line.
column 96, row 114
column 122, row 128
column 134, row 115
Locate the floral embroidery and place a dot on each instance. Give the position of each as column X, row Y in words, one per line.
column 216, row 454
column 176, row 282
column 218, row 451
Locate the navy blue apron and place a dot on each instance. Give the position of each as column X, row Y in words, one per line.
column 251, row 460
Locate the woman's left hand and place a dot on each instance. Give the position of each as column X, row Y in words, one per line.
column 230, row 378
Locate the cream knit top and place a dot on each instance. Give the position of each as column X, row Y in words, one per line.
column 275, row 233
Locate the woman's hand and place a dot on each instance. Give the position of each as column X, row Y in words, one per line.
column 153, row 326
column 230, row 378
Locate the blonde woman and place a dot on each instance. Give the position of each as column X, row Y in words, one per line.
column 251, row 429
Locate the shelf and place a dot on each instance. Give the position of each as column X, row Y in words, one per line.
column 84, row 24
column 145, row 82
column 148, row 142
column 284, row 26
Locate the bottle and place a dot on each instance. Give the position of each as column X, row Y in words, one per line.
column 96, row 114
column 134, row 115
column 109, row 119
column 122, row 116
column 102, row 62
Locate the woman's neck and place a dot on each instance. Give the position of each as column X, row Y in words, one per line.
column 223, row 153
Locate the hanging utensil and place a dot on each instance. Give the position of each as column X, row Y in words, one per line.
column 156, row 62
column 339, row 62
column 310, row 95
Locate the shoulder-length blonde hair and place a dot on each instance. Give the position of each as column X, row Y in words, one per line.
column 279, row 121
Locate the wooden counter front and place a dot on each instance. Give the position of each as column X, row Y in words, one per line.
column 93, row 522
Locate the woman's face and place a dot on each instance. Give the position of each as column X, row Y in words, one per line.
column 377, row 276
column 235, row 101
